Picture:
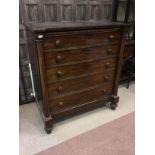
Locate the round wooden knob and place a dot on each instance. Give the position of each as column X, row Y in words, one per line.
column 59, row 74
column 58, row 58
column 60, row 89
column 109, row 50
column 106, row 78
column 111, row 37
column 107, row 64
column 104, row 91
column 61, row 103
column 58, row 42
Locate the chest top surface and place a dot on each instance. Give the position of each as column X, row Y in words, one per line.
column 66, row 26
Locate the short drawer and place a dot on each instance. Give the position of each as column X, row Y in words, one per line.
column 69, row 56
column 76, row 84
column 85, row 38
column 83, row 97
column 69, row 71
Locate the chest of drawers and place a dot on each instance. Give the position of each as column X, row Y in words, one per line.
column 74, row 66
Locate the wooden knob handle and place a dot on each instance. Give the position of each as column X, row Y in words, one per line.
column 104, row 91
column 109, row 50
column 58, row 58
column 59, row 73
column 111, row 37
column 60, row 89
column 61, row 103
column 107, row 64
column 106, row 78
column 58, row 42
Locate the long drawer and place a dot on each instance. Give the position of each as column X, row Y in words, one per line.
column 76, row 84
column 88, row 95
column 69, row 56
column 68, row 71
column 81, row 39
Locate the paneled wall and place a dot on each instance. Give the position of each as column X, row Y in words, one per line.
column 65, row 10
column 24, row 76
column 54, row 11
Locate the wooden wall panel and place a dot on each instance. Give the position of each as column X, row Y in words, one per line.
column 106, row 9
column 81, row 10
column 50, row 10
column 94, row 10
column 31, row 11
column 65, row 10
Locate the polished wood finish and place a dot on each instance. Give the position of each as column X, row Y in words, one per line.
column 82, row 96
column 81, row 39
column 78, row 66
column 74, row 84
column 68, row 71
column 81, row 54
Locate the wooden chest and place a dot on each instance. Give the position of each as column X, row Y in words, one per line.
column 74, row 66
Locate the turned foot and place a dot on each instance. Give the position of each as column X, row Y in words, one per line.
column 114, row 101
column 48, row 122
column 48, row 131
column 113, row 106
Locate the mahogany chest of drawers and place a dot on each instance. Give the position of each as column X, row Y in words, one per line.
column 74, row 66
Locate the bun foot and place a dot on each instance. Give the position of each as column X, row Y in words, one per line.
column 114, row 101
column 113, row 106
column 48, row 124
column 48, row 131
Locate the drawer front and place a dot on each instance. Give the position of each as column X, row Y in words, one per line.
column 61, row 57
column 70, row 71
column 99, row 92
column 76, row 84
column 81, row 39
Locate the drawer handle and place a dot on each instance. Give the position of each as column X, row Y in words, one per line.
column 104, row 91
column 61, row 103
column 106, row 78
column 58, row 42
column 111, row 37
column 58, row 58
column 60, row 89
column 59, row 74
column 107, row 65
column 109, row 50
